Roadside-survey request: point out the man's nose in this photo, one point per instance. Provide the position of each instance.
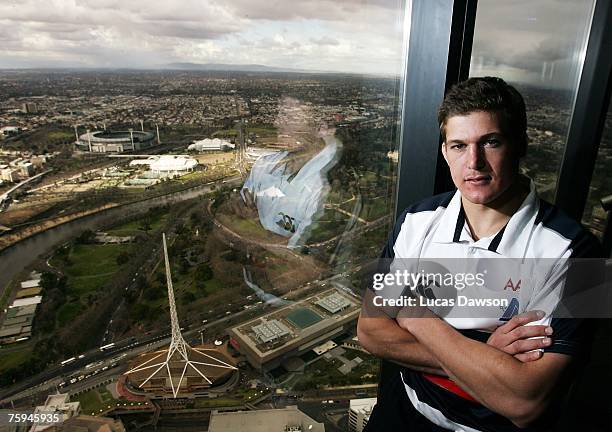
(476, 159)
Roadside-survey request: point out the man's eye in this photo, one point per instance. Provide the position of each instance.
(458, 146)
(493, 142)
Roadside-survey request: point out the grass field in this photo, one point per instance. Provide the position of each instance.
(225, 133)
(250, 228)
(330, 224)
(67, 313)
(60, 135)
(156, 222)
(96, 400)
(264, 132)
(15, 358)
(90, 402)
(91, 266)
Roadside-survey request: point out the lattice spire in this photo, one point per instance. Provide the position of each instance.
(177, 338)
(178, 347)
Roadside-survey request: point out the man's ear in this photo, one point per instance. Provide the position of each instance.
(444, 152)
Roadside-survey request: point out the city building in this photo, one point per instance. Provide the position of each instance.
(10, 130)
(167, 164)
(107, 141)
(359, 413)
(56, 404)
(87, 423)
(214, 144)
(29, 108)
(10, 174)
(289, 419)
(26, 169)
(17, 322)
(295, 329)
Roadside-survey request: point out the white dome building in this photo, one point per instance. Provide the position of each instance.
(168, 164)
(208, 144)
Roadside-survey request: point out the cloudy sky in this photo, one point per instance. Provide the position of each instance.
(525, 40)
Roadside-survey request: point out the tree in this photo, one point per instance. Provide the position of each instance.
(48, 281)
(183, 265)
(188, 297)
(204, 272)
(153, 293)
(87, 236)
(145, 224)
(122, 258)
(141, 311)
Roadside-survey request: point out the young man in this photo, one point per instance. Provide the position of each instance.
(473, 379)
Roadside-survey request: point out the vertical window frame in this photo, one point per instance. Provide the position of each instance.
(588, 115)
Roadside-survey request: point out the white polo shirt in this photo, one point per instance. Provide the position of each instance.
(538, 234)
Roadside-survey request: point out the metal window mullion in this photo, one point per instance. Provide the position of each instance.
(588, 116)
(439, 49)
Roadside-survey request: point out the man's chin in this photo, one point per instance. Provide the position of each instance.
(478, 198)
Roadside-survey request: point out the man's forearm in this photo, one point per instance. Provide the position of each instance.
(384, 338)
(494, 378)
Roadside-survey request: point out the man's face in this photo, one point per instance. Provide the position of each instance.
(482, 161)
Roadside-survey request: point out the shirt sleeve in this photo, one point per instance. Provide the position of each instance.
(560, 294)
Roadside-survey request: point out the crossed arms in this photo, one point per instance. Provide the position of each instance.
(505, 374)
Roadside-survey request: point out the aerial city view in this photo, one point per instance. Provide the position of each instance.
(183, 245)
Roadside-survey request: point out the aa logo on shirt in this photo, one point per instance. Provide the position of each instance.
(510, 285)
(511, 310)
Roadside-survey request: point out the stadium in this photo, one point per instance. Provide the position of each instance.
(108, 141)
(294, 330)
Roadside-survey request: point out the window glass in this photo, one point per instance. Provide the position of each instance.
(601, 184)
(260, 137)
(538, 47)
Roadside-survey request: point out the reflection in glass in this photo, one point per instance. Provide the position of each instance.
(279, 148)
(287, 201)
(594, 216)
(538, 47)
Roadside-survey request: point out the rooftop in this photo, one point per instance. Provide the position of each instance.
(271, 420)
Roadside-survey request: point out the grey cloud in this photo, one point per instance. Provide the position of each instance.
(185, 30)
(525, 34)
(125, 17)
(8, 35)
(62, 32)
(325, 40)
(324, 10)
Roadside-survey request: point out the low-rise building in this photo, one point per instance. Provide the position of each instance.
(26, 169)
(289, 419)
(359, 413)
(10, 174)
(10, 130)
(296, 329)
(86, 423)
(56, 404)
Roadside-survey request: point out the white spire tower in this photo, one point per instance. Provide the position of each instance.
(179, 354)
(177, 343)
